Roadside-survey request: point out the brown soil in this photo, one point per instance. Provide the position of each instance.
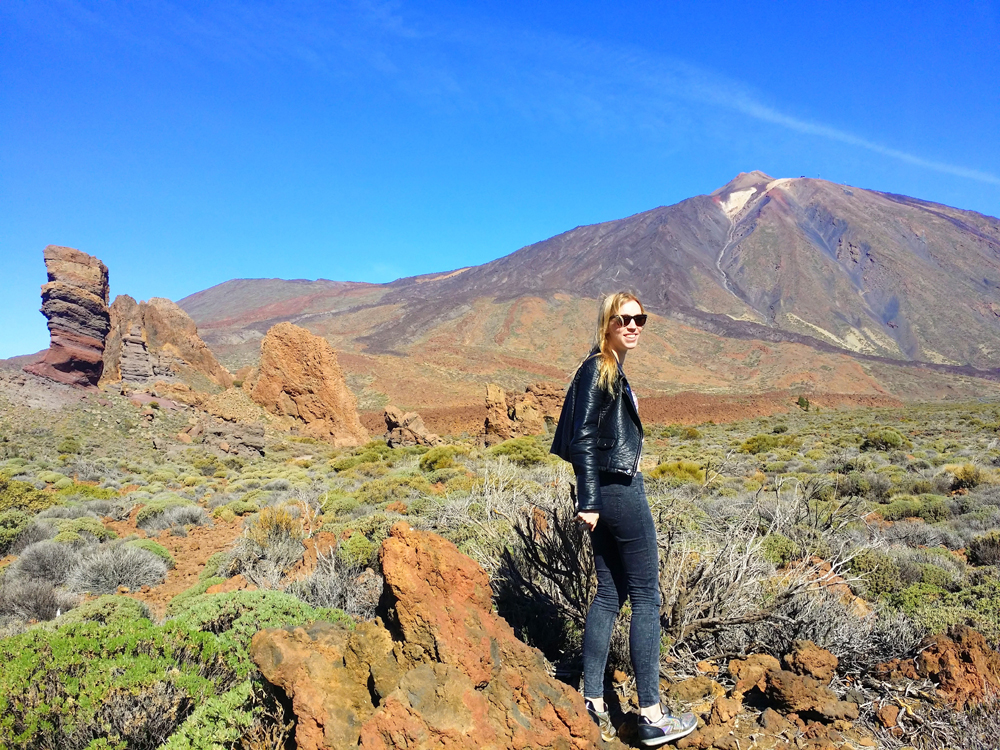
(190, 554)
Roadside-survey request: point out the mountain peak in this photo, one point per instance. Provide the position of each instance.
(744, 181)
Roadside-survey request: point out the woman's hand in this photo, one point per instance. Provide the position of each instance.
(588, 519)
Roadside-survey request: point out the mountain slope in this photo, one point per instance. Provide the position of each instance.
(798, 265)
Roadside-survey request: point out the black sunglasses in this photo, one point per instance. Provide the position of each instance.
(625, 320)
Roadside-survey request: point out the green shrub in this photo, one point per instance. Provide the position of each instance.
(179, 602)
(686, 471)
(766, 443)
(85, 526)
(967, 476)
(779, 550)
(157, 549)
(357, 551)
(879, 571)
(69, 445)
(691, 433)
(235, 508)
(16, 495)
(523, 451)
(51, 477)
(442, 457)
(86, 491)
(803, 403)
(886, 439)
(107, 609)
(392, 489)
(984, 549)
(129, 683)
(931, 508)
(212, 565)
(335, 504)
(12, 523)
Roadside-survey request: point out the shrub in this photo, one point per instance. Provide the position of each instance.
(86, 491)
(803, 403)
(157, 507)
(29, 599)
(175, 516)
(931, 508)
(270, 545)
(108, 609)
(45, 561)
(967, 476)
(523, 451)
(336, 583)
(392, 489)
(691, 433)
(16, 495)
(105, 569)
(86, 526)
(69, 444)
(766, 443)
(441, 457)
(157, 549)
(879, 571)
(686, 471)
(985, 549)
(357, 551)
(235, 508)
(336, 504)
(886, 439)
(12, 525)
(779, 550)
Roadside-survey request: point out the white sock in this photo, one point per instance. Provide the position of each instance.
(653, 713)
(597, 703)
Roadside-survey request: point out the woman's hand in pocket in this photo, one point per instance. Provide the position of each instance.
(588, 519)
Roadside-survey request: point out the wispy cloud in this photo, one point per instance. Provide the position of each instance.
(568, 81)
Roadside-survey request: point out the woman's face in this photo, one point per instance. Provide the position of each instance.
(624, 338)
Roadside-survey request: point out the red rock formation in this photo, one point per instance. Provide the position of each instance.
(510, 415)
(75, 302)
(299, 377)
(443, 672)
(962, 664)
(157, 340)
(407, 429)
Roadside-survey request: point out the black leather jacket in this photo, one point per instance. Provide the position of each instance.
(598, 431)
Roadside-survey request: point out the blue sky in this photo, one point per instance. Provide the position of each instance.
(185, 144)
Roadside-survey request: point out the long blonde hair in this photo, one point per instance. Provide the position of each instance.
(608, 364)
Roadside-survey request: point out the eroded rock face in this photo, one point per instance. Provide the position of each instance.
(438, 670)
(75, 302)
(299, 378)
(407, 429)
(962, 664)
(157, 341)
(510, 415)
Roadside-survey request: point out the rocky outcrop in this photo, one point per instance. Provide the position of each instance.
(437, 669)
(962, 664)
(299, 378)
(75, 302)
(157, 341)
(510, 415)
(407, 429)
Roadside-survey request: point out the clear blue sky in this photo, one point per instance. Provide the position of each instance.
(185, 144)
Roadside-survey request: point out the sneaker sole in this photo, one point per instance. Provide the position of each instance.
(657, 741)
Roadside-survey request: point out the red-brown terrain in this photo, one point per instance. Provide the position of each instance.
(790, 286)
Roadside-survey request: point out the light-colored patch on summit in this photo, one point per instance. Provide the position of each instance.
(736, 201)
(779, 182)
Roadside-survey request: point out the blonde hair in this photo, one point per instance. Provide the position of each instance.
(608, 363)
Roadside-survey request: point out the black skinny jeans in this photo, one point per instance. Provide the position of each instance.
(627, 563)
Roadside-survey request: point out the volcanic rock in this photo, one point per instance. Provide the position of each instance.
(807, 658)
(789, 692)
(158, 341)
(438, 669)
(75, 302)
(407, 429)
(961, 663)
(510, 415)
(300, 378)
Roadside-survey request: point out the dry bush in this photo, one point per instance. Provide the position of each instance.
(45, 561)
(102, 570)
(37, 531)
(269, 546)
(29, 599)
(333, 583)
(178, 515)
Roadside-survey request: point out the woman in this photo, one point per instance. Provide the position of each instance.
(599, 432)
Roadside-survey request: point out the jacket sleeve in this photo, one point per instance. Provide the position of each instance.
(591, 401)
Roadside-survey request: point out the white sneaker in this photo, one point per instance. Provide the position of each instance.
(665, 729)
